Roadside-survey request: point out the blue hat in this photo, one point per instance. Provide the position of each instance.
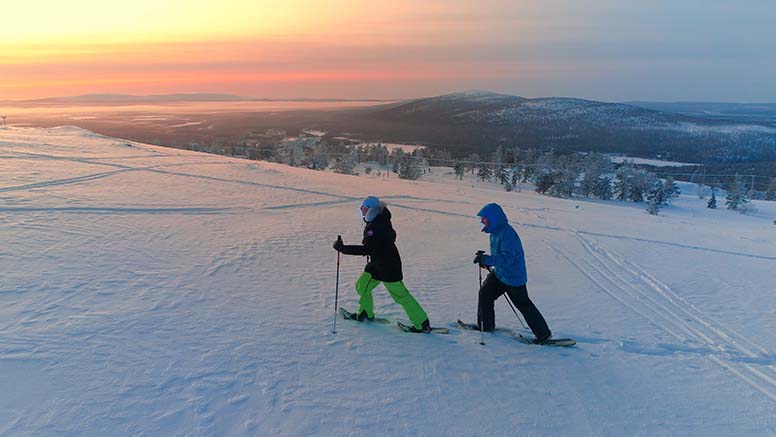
(370, 201)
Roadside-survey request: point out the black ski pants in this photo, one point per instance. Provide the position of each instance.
(492, 289)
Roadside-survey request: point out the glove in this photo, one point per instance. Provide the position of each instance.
(479, 258)
(338, 244)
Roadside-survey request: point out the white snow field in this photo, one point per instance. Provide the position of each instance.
(154, 291)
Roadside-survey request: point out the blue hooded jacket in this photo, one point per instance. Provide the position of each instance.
(506, 249)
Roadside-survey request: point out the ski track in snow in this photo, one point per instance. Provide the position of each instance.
(694, 323)
(681, 246)
(642, 293)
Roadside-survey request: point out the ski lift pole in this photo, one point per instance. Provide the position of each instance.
(336, 289)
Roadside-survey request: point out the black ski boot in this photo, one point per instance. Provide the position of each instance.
(425, 327)
(542, 340)
(363, 316)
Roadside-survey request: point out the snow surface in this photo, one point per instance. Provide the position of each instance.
(148, 290)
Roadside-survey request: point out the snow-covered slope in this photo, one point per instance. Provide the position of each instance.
(155, 291)
(478, 121)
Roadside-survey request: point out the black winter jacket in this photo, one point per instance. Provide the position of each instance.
(379, 244)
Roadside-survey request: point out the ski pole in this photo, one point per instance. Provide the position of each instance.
(336, 289)
(509, 301)
(479, 310)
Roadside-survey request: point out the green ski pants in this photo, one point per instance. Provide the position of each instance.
(399, 293)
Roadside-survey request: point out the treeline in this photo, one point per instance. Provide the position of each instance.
(572, 174)
(591, 175)
(316, 153)
(595, 175)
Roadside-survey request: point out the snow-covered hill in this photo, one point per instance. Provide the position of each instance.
(485, 120)
(155, 291)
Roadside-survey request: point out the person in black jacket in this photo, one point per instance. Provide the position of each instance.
(383, 265)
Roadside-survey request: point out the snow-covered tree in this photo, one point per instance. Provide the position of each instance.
(484, 172)
(632, 184)
(588, 183)
(712, 204)
(653, 206)
(502, 175)
(622, 183)
(346, 162)
(641, 183)
(376, 153)
(545, 163)
(459, 169)
(603, 188)
(397, 155)
(565, 184)
(517, 154)
(291, 152)
(320, 158)
(545, 183)
(595, 164)
(473, 162)
(656, 198)
(439, 157)
(499, 170)
(770, 192)
(297, 155)
(529, 160)
(737, 197)
(517, 171)
(670, 190)
(568, 169)
(409, 168)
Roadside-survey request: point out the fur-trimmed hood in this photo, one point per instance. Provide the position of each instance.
(376, 210)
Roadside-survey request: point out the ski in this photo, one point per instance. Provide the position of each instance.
(353, 316)
(406, 328)
(410, 328)
(474, 327)
(557, 342)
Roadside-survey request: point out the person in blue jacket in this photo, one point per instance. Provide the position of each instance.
(506, 264)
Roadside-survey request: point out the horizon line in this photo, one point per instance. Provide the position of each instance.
(226, 97)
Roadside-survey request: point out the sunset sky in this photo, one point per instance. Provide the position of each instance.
(611, 50)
